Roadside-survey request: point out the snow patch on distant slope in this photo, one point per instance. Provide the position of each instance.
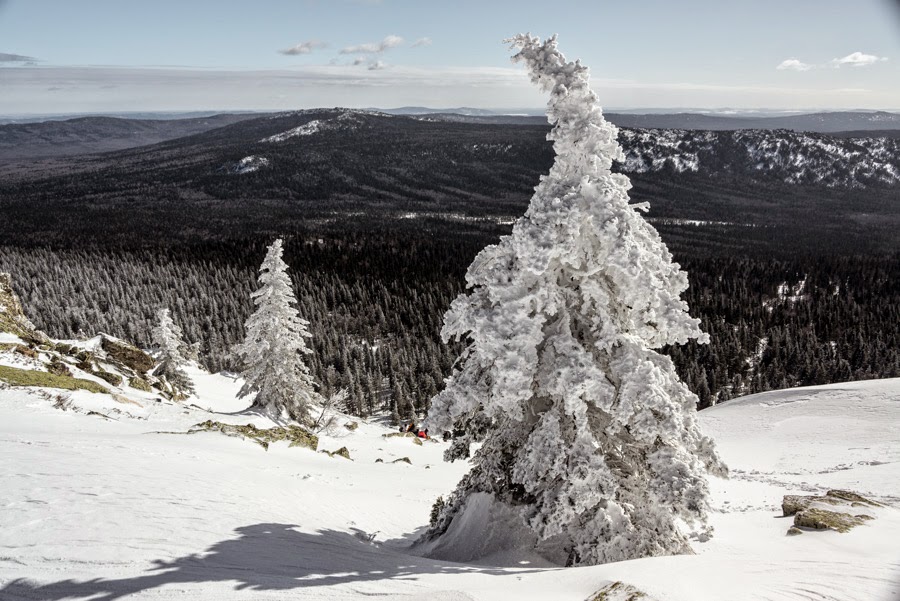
(347, 120)
(307, 129)
(251, 163)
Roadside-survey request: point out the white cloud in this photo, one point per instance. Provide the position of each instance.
(377, 66)
(391, 41)
(303, 48)
(792, 64)
(421, 42)
(858, 59)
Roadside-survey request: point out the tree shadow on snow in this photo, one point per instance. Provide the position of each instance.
(263, 557)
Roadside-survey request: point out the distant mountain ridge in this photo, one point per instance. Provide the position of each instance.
(93, 134)
(281, 140)
(88, 135)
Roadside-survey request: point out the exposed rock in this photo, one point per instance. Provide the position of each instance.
(351, 426)
(822, 519)
(619, 591)
(819, 512)
(791, 504)
(58, 367)
(28, 352)
(126, 354)
(114, 379)
(103, 415)
(341, 452)
(855, 499)
(794, 531)
(139, 383)
(403, 460)
(65, 349)
(379, 460)
(417, 441)
(297, 436)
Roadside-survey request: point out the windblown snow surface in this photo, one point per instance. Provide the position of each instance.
(97, 508)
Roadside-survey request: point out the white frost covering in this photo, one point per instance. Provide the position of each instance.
(588, 430)
(275, 344)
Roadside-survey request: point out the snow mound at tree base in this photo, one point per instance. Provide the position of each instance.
(490, 532)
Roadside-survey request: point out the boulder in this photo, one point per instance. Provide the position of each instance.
(28, 352)
(295, 435)
(114, 379)
(139, 383)
(620, 591)
(126, 354)
(814, 512)
(58, 367)
(822, 519)
(341, 452)
(791, 504)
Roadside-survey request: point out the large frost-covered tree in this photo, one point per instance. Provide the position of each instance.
(588, 432)
(274, 346)
(171, 350)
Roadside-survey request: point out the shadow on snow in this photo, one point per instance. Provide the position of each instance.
(263, 557)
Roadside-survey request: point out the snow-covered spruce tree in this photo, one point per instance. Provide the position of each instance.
(274, 345)
(587, 431)
(169, 342)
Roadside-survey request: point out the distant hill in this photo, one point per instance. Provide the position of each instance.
(319, 166)
(85, 135)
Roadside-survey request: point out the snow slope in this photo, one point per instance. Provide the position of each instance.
(96, 508)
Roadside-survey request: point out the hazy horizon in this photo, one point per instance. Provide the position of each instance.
(106, 56)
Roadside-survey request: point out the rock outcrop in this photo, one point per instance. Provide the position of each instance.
(813, 512)
(620, 591)
(130, 356)
(294, 435)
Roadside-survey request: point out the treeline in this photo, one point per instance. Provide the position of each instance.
(376, 302)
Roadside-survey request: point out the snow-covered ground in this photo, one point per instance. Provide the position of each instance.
(97, 508)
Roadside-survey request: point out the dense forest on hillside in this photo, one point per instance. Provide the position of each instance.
(376, 301)
(797, 283)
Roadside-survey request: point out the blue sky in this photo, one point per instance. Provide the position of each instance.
(105, 55)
